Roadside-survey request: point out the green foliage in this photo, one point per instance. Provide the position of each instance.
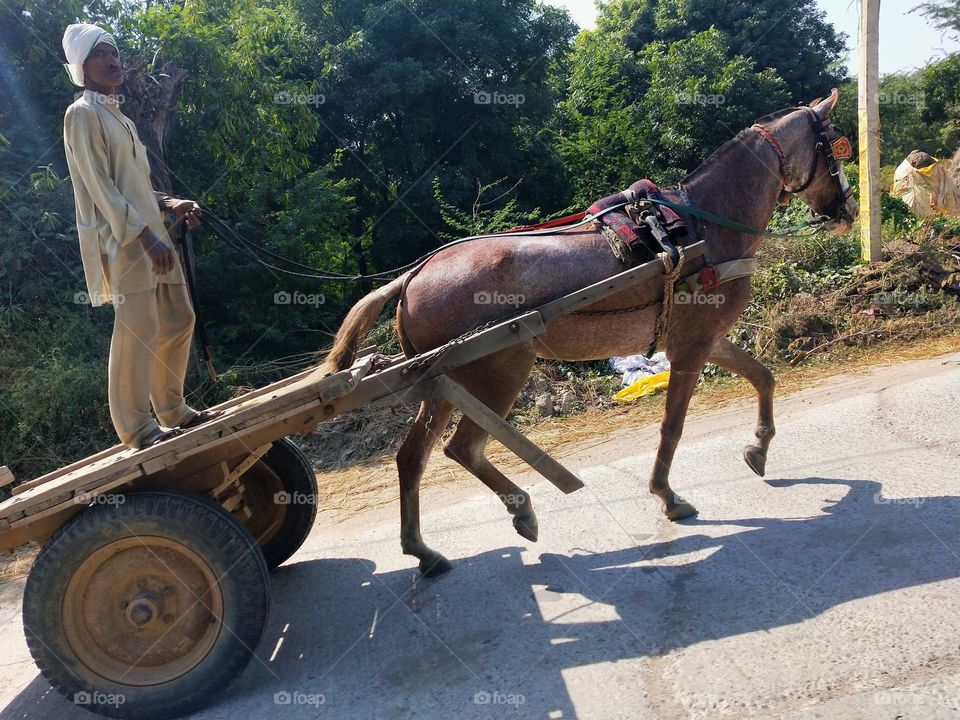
(947, 226)
(699, 97)
(686, 99)
(244, 60)
(907, 121)
(789, 37)
(943, 14)
(485, 216)
(941, 86)
(783, 279)
(457, 90)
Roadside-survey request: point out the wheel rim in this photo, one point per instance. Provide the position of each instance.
(261, 485)
(142, 611)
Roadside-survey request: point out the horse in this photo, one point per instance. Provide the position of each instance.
(786, 154)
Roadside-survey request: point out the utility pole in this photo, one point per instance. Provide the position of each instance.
(868, 112)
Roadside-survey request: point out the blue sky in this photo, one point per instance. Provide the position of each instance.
(906, 41)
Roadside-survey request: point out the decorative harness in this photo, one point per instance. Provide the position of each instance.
(839, 148)
(835, 149)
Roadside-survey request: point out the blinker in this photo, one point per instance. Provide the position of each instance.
(842, 148)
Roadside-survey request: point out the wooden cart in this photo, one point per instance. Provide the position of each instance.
(151, 591)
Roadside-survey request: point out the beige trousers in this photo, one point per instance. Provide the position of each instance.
(149, 353)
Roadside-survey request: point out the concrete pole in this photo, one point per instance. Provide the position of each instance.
(868, 111)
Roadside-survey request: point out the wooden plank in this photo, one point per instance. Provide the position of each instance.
(519, 444)
(274, 387)
(101, 468)
(6, 476)
(83, 462)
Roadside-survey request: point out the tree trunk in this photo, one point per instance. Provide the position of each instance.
(150, 100)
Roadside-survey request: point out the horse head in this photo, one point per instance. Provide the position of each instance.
(810, 148)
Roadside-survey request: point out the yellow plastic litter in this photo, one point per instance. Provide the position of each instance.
(644, 386)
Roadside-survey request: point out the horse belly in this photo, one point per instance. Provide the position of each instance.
(597, 337)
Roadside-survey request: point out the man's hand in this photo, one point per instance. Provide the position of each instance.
(160, 254)
(186, 209)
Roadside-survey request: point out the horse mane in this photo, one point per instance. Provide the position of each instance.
(720, 154)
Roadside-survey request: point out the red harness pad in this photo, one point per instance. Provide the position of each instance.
(633, 235)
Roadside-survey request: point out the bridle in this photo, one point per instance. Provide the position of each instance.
(834, 149)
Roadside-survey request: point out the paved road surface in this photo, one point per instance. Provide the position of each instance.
(829, 590)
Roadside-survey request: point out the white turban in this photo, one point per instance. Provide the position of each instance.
(78, 42)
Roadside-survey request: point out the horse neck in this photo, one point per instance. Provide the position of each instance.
(742, 184)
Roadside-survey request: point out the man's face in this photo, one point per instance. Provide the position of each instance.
(103, 67)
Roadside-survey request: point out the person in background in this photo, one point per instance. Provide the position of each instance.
(128, 258)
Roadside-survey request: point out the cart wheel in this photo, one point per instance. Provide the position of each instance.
(280, 493)
(148, 607)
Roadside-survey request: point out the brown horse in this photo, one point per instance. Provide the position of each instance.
(468, 284)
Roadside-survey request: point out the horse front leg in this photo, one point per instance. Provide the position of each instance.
(683, 380)
(732, 358)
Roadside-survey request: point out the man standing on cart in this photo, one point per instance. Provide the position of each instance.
(128, 258)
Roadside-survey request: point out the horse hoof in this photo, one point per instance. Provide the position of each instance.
(756, 459)
(434, 565)
(526, 526)
(680, 510)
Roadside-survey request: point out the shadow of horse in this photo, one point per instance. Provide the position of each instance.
(511, 630)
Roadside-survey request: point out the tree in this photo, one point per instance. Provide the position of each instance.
(791, 37)
(905, 120)
(417, 90)
(941, 112)
(659, 112)
(942, 14)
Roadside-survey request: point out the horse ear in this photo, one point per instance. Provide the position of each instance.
(825, 107)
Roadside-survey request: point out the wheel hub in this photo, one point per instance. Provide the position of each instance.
(142, 610)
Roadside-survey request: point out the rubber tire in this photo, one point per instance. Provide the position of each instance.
(217, 537)
(299, 480)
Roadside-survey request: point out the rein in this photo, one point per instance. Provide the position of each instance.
(740, 227)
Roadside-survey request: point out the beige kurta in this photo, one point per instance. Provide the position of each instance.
(114, 199)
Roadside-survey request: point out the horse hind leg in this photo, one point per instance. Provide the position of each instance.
(732, 358)
(411, 462)
(495, 381)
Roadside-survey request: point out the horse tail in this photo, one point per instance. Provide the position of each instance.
(358, 321)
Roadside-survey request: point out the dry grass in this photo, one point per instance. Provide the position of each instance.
(17, 564)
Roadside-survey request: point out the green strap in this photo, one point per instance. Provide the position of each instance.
(732, 224)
